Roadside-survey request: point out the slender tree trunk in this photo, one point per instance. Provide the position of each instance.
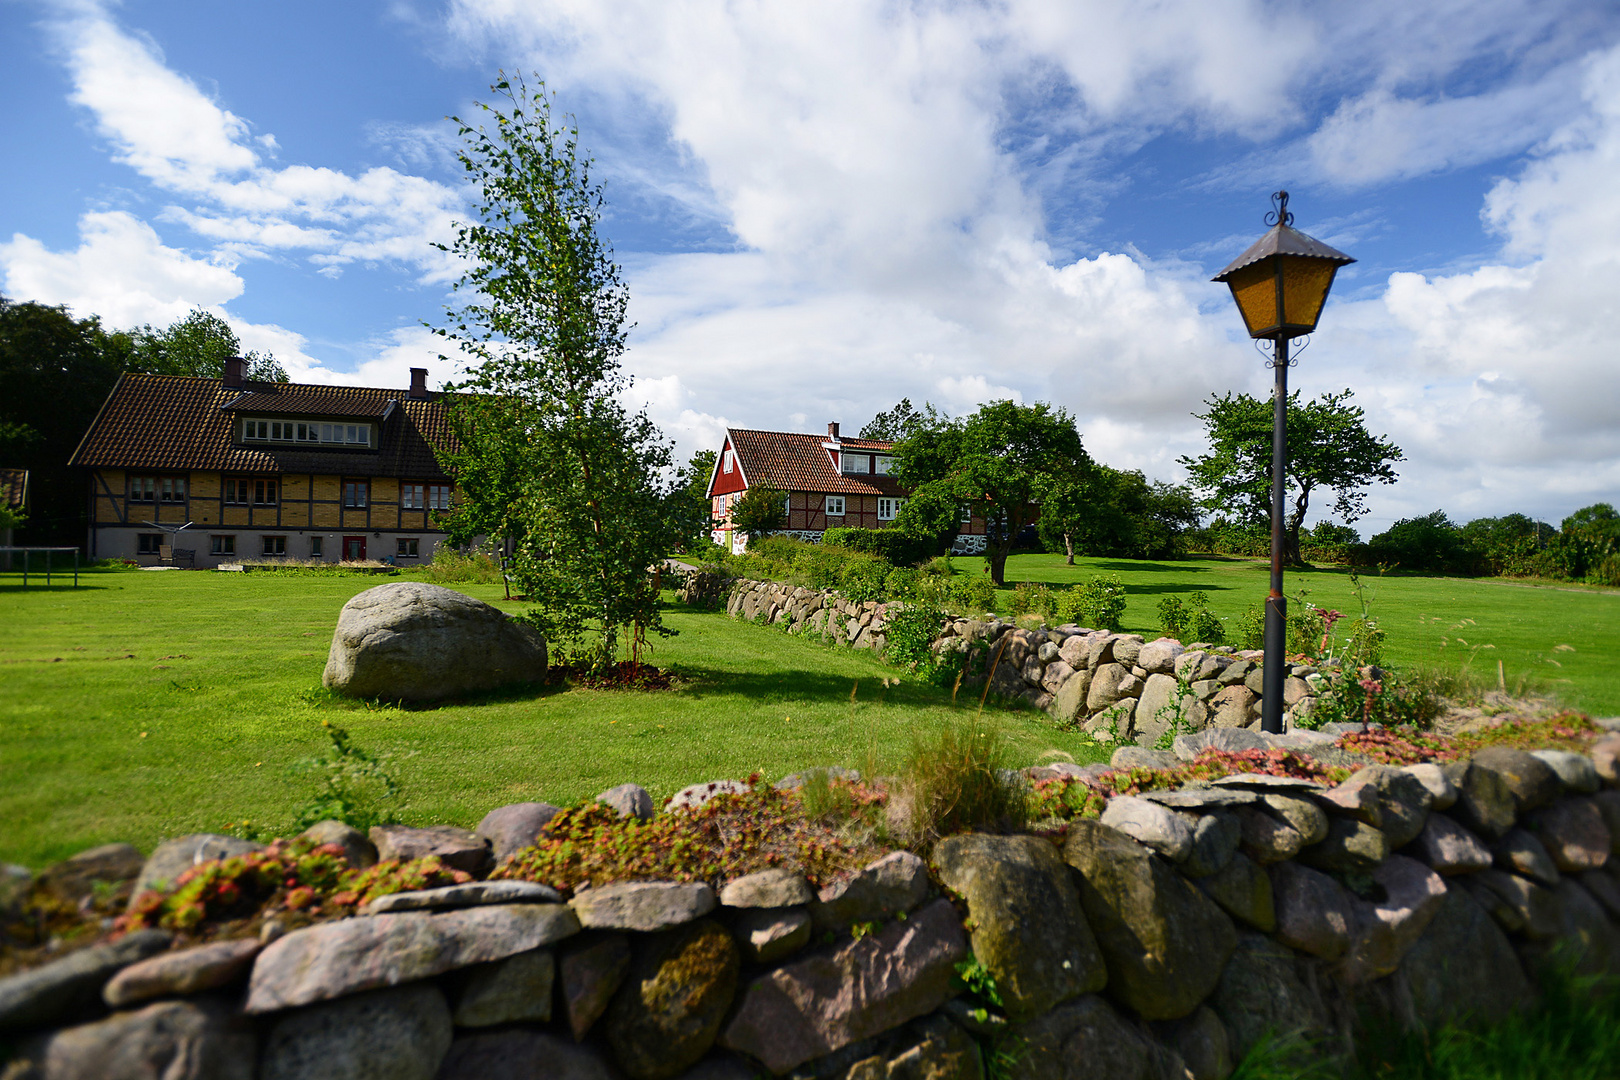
(1068, 547)
(1291, 552)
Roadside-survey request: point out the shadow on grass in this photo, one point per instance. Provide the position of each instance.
(56, 586)
(322, 697)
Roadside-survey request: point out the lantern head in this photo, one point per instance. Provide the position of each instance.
(1282, 281)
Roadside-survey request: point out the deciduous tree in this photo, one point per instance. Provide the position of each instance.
(197, 345)
(760, 512)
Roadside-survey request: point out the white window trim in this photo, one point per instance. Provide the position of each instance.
(892, 505)
(847, 462)
(839, 501)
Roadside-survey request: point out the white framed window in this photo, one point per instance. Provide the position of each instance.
(967, 514)
(888, 508)
(835, 506)
(438, 496)
(885, 465)
(406, 548)
(725, 461)
(787, 505)
(855, 463)
(291, 431)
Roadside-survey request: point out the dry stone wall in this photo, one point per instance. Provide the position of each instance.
(1161, 941)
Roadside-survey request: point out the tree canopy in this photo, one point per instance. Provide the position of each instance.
(899, 422)
(1329, 447)
(197, 345)
(760, 512)
(1118, 513)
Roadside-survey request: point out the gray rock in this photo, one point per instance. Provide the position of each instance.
(1531, 780)
(1236, 740)
(1202, 799)
(469, 894)
(1530, 909)
(766, 935)
(1159, 657)
(695, 795)
(1608, 804)
(1264, 992)
(171, 1040)
(66, 988)
(1606, 759)
(1485, 802)
(1047, 652)
(1136, 757)
(1200, 1041)
(15, 884)
(647, 906)
(1114, 723)
(1163, 941)
(1232, 706)
(510, 991)
(668, 1011)
(174, 857)
(1056, 674)
(1351, 846)
(75, 878)
(1164, 706)
(774, 888)
(1605, 889)
(1027, 927)
(1448, 848)
(1305, 818)
(1357, 797)
(509, 829)
(1403, 802)
(177, 974)
(1087, 1039)
(1575, 770)
(931, 1048)
(1265, 839)
(818, 1004)
(1574, 834)
(630, 800)
(1215, 839)
(1127, 647)
(335, 959)
(795, 781)
(1314, 913)
(1149, 823)
(731, 1067)
(1442, 792)
(419, 642)
(1585, 938)
(1109, 683)
(496, 1055)
(1243, 890)
(1384, 930)
(895, 883)
(455, 848)
(406, 1034)
(1463, 967)
(1521, 853)
(590, 971)
(1069, 703)
(358, 851)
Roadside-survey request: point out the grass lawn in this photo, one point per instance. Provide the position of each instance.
(150, 704)
(1525, 622)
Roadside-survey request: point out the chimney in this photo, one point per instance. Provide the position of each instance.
(832, 431)
(419, 389)
(233, 373)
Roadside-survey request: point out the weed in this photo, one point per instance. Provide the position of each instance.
(1030, 598)
(1173, 714)
(469, 565)
(353, 787)
(1098, 603)
(958, 780)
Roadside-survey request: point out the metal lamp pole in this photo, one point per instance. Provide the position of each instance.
(1271, 701)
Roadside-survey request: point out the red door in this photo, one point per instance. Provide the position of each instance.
(354, 548)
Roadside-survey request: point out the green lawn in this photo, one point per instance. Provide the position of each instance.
(1525, 622)
(148, 704)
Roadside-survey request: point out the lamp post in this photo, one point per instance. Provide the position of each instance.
(1280, 285)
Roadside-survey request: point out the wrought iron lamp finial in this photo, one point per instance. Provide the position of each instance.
(1279, 214)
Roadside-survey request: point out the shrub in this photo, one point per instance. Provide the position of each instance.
(958, 780)
(974, 594)
(1191, 619)
(1031, 598)
(901, 583)
(353, 787)
(891, 543)
(862, 577)
(463, 565)
(910, 632)
(1204, 625)
(1098, 603)
(1251, 627)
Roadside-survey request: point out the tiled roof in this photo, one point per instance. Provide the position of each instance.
(869, 445)
(13, 487)
(790, 461)
(291, 399)
(177, 422)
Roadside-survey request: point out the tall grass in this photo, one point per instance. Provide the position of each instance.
(955, 779)
(469, 566)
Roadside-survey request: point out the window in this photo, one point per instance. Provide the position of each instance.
(264, 493)
(835, 506)
(315, 546)
(787, 505)
(407, 547)
(169, 489)
(222, 545)
(241, 492)
(854, 463)
(967, 514)
(410, 496)
(885, 465)
(172, 490)
(142, 489)
(275, 545)
(356, 493)
(438, 496)
(725, 461)
(148, 543)
(888, 508)
(292, 431)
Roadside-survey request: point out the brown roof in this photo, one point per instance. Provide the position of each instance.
(14, 488)
(291, 399)
(178, 422)
(790, 461)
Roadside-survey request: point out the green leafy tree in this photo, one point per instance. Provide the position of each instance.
(761, 511)
(489, 458)
(1118, 513)
(1000, 461)
(1329, 447)
(899, 422)
(690, 499)
(541, 328)
(1586, 539)
(197, 345)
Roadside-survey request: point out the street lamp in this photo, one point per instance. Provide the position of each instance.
(1280, 285)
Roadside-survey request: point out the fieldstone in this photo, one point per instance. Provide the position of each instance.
(510, 829)
(668, 1011)
(930, 1048)
(1385, 929)
(1127, 647)
(63, 989)
(510, 991)
(1351, 846)
(1605, 889)
(1286, 785)
(455, 848)
(1069, 703)
(1265, 839)
(1586, 938)
(1484, 800)
(1087, 1039)
(1521, 853)
(1230, 739)
(335, 959)
(1074, 651)
(177, 974)
(1200, 1041)
(169, 1040)
(1164, 942)
(1357, 797)
(419, 642)
(1025, 912)
(1315, 914)
(731, 1067)
(766, 935)
(1108, 684)
(1463, 967)
(590, 971)
(468, 894)
(406, 1035)
(1606, 759)
(1188, 663)
(358, 851)
(1403, 802)
(1149, 823)
(1047, 652)
(895, 883)
(1531, 909)
(1448, 848)
(795, 781)
(1531, 780)
(1159, 657)
(1202, 799)
(774, 888)
(15, 884)
(1243, 890)
(1137, 757)
(174, 857)
(1262, 993)
(496, 1055)
(1236, 673)
(695, 795)
(1114, 723)
(647, 906)
(75, 878)
(1102, 650)
(1055, 675)
(815, 1005)
(1608, 804)
(1576, 771)
(630, 800)
(1442, 792)
(1305, 818)
(1231, 707)
(1215, 839)
(1574, 834)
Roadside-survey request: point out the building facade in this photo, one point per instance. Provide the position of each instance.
(209, 471)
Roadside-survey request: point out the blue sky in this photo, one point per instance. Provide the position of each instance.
(823, 208)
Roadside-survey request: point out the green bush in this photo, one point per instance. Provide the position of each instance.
(1098, 603)
(463, 565)
(863, 576)
(1251, 628)
(973, 594)
(910, 632)
(901, 583)
(1031, 598)
(1206, 626)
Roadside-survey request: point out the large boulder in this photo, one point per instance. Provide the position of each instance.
(1532, 781)
(932, 1048)
(76, 877)
(1164, 942)
(1264, 991)
(170, 1040)
(1463, 966)
(1088, 1040)
(418, 642)
(668, 1012)
(174, 857)
(518, 1052)
(398, 1034)
(1385, 929)
(1243, 891)
(62, 989)
(1028, 930)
